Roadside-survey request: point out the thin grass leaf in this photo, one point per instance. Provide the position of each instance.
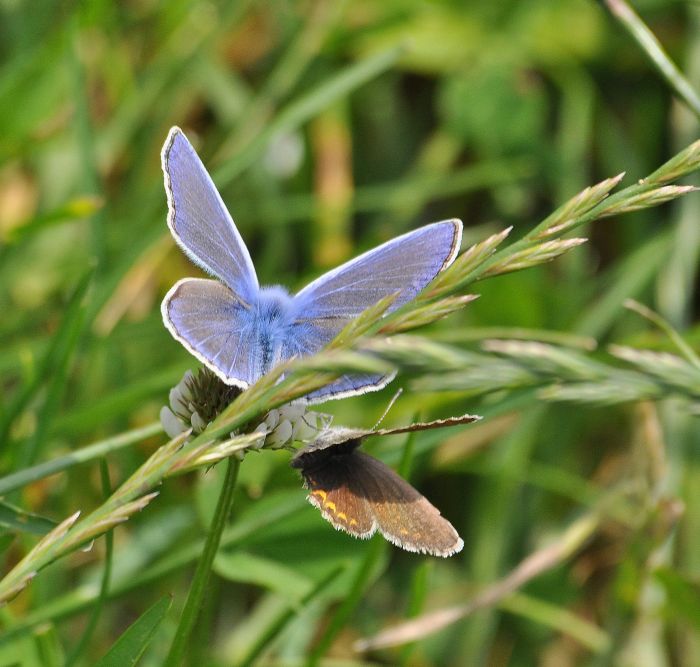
(20, 521)
(78, 457)
(86, 146)
(55, 358)
(632, 275)
(195, 597)
(382, 197)
(244, 567)
(652, 48)
(666, 327)
(129, 648)
(307, 107)
(587, 634)
(287, 72)
(576, 535)
(123, 401)
(417, 598)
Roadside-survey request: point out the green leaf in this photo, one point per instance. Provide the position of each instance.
(16, 519)
(250, 568)
(129, 648)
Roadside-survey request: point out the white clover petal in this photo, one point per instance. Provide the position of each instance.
(175, 396)
(281, 435)
(303, 430)
(198, 424)
(184, 384)
(272, 419)
(293, 411)
(171, 424)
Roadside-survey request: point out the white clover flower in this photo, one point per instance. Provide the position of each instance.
(290, 423)
(195, 402)
(199, 398)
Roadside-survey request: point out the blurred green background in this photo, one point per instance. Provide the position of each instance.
(330, 127)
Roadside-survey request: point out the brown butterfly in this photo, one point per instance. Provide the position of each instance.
(360, 495)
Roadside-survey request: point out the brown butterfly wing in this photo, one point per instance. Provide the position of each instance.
(404, 516)
(328, 479)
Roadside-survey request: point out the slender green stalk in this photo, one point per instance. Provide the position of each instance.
(84, 455)
(416, 602)
(652, 48)
(666, 327)
(287, 72)
(307, 106)
(195, 597)
(86, 146)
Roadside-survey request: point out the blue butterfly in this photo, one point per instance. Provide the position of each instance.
(241, 330)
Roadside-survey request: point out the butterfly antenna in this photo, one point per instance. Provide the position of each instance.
(398, 393)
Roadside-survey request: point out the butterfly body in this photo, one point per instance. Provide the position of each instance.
(275, 314)
(241, 330)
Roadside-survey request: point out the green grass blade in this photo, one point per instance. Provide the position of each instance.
(129, 648)
(652, 48)
(197, 591)
(307, 107)
(55, 358)
(86, 454)
(19, 521)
